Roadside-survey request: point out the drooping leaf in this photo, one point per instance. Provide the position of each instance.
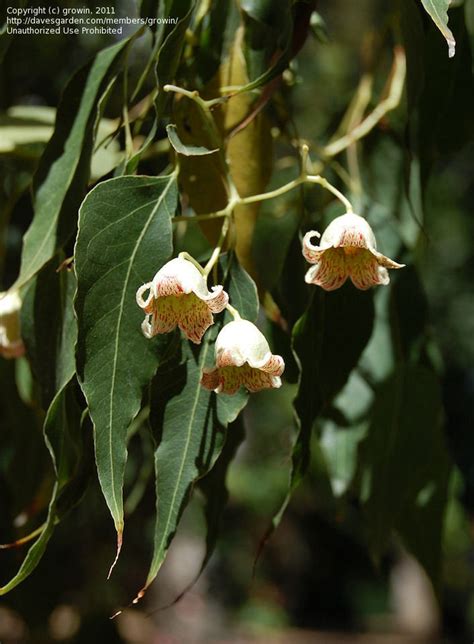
(327, 347)
(124, 238)
(240, 287)
(271, 242)
(171, 21)
(405, 465)
(267, 28)
(345, 427)
(220, 17)
(49, 328)
(169, 54)
(36, 551)
(438, 11)
(449, 85)
(294, 31)
(64, 168)
(181, 148)
(24, 459)
(62, 429)
(189, 423)
(213, 487)
(129, 166)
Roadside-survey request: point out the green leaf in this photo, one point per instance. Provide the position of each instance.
(24, 460)
(240, 287)
(189, 437)
(213, 31)
(292, 26)
(271, 242)
(327, 348)
(267, 26)
(345, 428)
(449, 85)
(64, 169)
(36, 551)
(438, 10)
(49, 328)
(187, 150)
(130, 166)
(213, 486)
(170, 52)
(168, 39)
(405, 465)
(62, 428)
(189, 423)
(124, 238)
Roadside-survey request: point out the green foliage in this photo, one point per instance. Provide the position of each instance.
(124, 237)
(237, 178)
(64, 170)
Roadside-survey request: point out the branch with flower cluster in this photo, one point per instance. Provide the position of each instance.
(178, 295)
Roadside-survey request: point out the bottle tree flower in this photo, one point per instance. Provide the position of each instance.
(243, 359)
(178, 296)
(11, 343)
(347, 250)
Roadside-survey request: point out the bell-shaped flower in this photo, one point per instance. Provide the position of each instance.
(178, 296)
(243, 359)
(347, 249)
(11, 344)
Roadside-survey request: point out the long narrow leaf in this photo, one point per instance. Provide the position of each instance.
(124, 238)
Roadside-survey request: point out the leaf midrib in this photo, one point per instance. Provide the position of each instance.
(199, 391)
(117, 335)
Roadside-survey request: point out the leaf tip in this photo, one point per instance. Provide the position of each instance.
(139, 596)
(117, 554)
(451, 47)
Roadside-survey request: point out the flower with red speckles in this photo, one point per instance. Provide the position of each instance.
(11, 344)
(347, 249)
(178, 296)
(243, 359)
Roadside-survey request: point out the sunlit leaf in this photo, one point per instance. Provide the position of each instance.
(124, 238)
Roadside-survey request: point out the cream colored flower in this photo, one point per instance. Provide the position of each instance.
(347, 249)
(11, 344)
(243, 359)
(178, 296)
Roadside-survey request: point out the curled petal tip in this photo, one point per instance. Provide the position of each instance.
(347, 250)
(179, 297)
(243, 359)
